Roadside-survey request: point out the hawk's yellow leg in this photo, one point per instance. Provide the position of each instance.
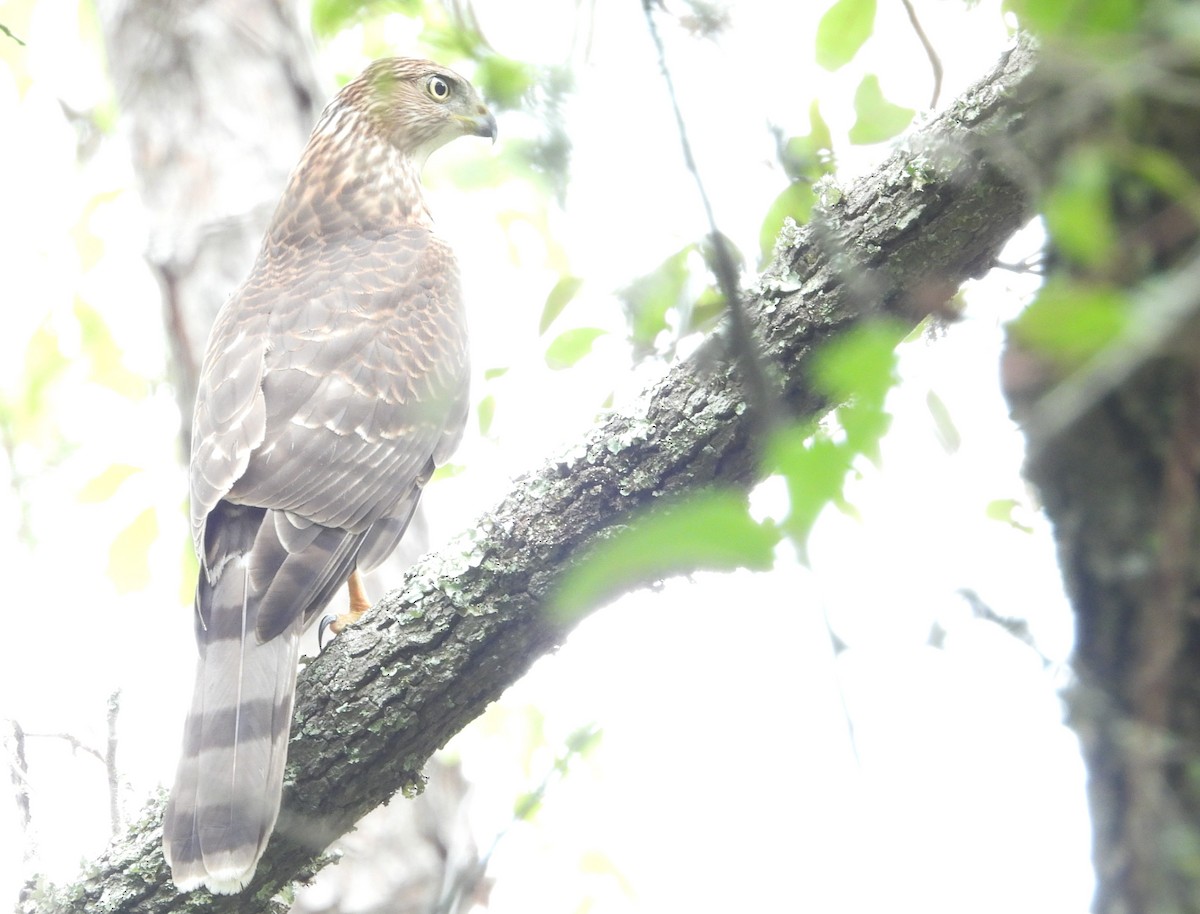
(359, 603)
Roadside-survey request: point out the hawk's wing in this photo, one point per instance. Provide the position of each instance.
(327, 403)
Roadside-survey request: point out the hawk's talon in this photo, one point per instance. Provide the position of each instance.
(359, 604)
(326, 623)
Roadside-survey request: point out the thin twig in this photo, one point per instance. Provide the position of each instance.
(19, 771)
(77, 745)
(758, 399)
(110, 763)
(935, 62)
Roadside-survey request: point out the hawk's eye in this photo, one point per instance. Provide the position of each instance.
(438, 88)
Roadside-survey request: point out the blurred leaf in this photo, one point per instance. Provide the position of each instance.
(560, 296)
(814, 468)
(492, 373)
(649, 298)
(503, 80)
(583, 741)
(486, 412)
(808, 156)
(706, 310)
(571, 345)
(860, 363)
(842, 31)
(108, 366)
(5, 29)
(328, 17)
(189, 568)
(876, 119)
(598, 863)
(796, 201)
(103, 487)
(447, 471)
(943, 423)
(1005, 511)
(129, 555)
(44, 364)
(857, 370)
(1078, 211)
(88, 244)
(711, 530)
(1077, 18)
(1070, 322)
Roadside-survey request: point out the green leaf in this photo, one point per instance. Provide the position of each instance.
(712, 530)
(796, 201)
(129, 555)
(571, 345)
(447, 471)
(860, 363)
(1005, 510)
(503, 80)
(564, 290)
(44, 365)
(943, 423)
(808, 156)
(1077, 18)
(706, 310)
(1078, 211)
(649, 298)
(842, 31)
(108, 365)
(876, 119)
(103, 487)
(486, 411)
(492, 373)
(328, 17)
(814, 469)
(857, 370)
(1070, 322)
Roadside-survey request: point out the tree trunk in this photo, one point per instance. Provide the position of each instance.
(1114, 449)
(208, 171)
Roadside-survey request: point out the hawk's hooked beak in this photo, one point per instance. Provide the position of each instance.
(482, 124)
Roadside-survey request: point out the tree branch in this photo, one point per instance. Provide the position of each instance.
(468, 622)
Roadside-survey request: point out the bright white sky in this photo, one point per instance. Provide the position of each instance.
(727, 778)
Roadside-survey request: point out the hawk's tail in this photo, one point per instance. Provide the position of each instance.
(226, 795)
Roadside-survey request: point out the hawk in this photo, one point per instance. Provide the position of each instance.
(334, 382)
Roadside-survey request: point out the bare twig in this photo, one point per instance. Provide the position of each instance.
(758, 397)
(18, 768)
(110, 763)
(935, 62)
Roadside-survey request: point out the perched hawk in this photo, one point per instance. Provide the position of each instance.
(335, 380)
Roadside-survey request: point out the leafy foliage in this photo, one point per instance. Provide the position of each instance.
(1071, 322)
(876, 119)
(571, 345)
(711, 530)
(1077, 18)
(843, 30)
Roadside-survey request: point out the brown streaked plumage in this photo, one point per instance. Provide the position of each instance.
(335, 380)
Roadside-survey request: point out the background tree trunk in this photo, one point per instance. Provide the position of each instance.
(1114, 449)
(209, 171)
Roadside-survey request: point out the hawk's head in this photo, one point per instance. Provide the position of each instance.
(418, 105)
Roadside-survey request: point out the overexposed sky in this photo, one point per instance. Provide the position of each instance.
(743, 764)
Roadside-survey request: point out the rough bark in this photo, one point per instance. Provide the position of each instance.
(468, 622)
(1114, 449)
